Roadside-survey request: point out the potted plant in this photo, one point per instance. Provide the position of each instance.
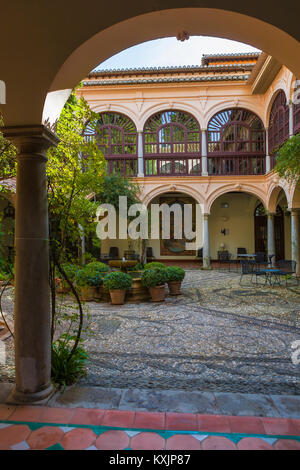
(155, 280)
(154, 265)
(88, 280)
(175, 276)
(98, 266)
(117, 283)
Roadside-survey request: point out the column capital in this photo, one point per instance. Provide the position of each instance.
(203, 130)
(295, 211)
(31, 141)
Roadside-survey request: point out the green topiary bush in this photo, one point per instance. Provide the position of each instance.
(117, 280)
(98, 266)
(174, 273)
(154, 277)
(88, 277)
(154, 265)
(70, 270)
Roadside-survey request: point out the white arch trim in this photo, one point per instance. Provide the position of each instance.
(170, 105)
(243, 188)
(111, 108)
(171, 187)
(232, 103)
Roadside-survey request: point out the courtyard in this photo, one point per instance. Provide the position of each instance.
(217, 336)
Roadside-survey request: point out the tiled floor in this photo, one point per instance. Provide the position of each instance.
(23, 428)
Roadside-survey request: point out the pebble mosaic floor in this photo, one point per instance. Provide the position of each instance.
(217, 336)
(37, 428)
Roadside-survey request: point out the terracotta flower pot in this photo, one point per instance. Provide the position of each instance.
(117, 296)
(62, 286)
(158, 293)
(174, 287)
(87, 293)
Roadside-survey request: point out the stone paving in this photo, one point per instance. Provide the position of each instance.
(37, 428)
(217, 336)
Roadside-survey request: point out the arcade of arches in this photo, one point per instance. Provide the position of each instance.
(231, 116)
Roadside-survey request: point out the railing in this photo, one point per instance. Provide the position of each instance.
(124, 166)
(174, 166)
(187, 166)
(236, 165)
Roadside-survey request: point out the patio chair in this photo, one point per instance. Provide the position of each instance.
(240, 251)
(260, 259)
(224, 257)
(249, 267)
(113, 252)
(287, 268)
(200, 253)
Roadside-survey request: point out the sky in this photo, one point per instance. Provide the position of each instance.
(170, 51)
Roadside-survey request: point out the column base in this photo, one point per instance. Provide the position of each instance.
(204, 173)
(37, 398)
(140, 175)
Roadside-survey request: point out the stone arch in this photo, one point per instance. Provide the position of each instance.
(169, 106)
(231, 104)
(272, 98)
(103, 108)
(230, 187)
(273, 194)
(148, 196)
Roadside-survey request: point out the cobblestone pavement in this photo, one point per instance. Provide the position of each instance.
(217, 336)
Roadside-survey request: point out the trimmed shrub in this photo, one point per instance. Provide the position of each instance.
(88, 277)
(98, 266)
(174, 273)
(70, 270)
(154, 277)
(154, 265)
(117, 280)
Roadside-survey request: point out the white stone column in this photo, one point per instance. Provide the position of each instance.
(206, 247)
(140, 154)
(291, 119)
(204, 153)
(32, 295)
(295, 238)
(268, 159)
(271, 236)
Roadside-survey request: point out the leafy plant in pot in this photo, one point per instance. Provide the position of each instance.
(88, 280)
(155, 280)
(117, 283)
(175, 276)
(70, 270)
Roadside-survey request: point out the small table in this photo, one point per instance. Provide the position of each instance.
(272, 273)
(246, 255)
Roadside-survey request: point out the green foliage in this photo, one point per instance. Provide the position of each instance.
(154, 265)
(174, 273)
(117, 280)
(88, 277)
(66, 369)
(288, 159)
(70, 270)
(8, 162)
(154, 277)
(98, 266)
(115, 186)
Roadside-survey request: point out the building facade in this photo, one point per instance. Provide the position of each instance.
(204, 135)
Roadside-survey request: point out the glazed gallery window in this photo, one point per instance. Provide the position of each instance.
(236, 131)
(171, 132)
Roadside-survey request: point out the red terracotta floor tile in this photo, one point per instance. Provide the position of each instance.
(6, 411)
(145, 420)
(287, 444)
(116, 418)
(254, 443)
(279, 426)
(26, 413)
(45, 437)
(56, 415)
(87, 416)
(182, 442)
(296, 423)
(147, 441)
(78, 439)
(112, 440)
(246, 424)
(213, 423)
(13, 435)
(217, 443)
(181, 421)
